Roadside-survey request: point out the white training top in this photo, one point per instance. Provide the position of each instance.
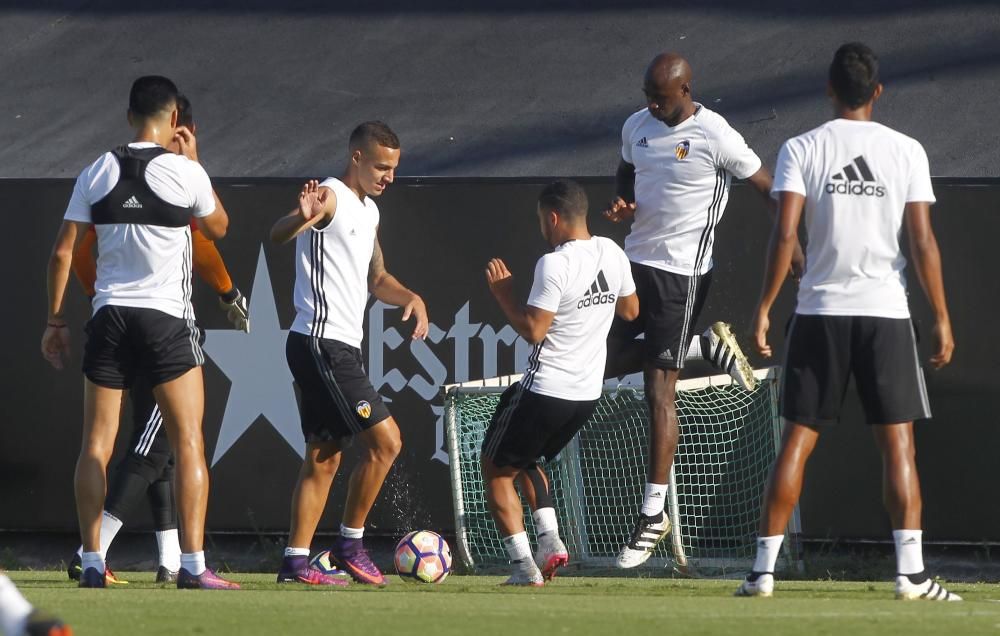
(682, 177)
(580, 281)
(144, 265)
(331, 269)
(857, 176)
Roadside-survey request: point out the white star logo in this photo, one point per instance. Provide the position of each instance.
(255, 364)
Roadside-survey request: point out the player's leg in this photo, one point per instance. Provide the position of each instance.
(891, 386)
(625, 353)
(319, 467)
(513, 443)
(814, 381)
(19, 618)
(163, 507)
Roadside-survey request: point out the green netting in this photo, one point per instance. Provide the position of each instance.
(727, 445)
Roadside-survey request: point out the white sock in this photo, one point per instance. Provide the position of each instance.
(194, 563)
(517, 546)
(293, 552)
(14, 608)
(695, 352)
(92, 560)
(110, 525)
(909, 551)
(351, 533)
(169, 545)
(545, 521)
(768, 549)
(653, 499)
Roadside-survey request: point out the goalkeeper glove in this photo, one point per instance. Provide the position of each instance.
(235, 305)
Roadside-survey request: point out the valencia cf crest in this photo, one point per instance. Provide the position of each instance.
(364, 409)
(681, 150)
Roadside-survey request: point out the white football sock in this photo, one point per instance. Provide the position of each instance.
(110, 525)
(768, 549)
(695, 352)
(92, 560)
(909, 551)
(351, 533)
(517, 546)
(169, 545)
(545, 521)
(653, 499)
(14, 608)
(294, 552)
(194, 563)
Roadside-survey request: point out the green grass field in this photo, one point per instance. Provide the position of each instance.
(477, 605)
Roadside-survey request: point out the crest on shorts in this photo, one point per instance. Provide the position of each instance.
(364, 409)
(681, 150)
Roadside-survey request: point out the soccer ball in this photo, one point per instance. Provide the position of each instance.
(423, 556)
(325, 564)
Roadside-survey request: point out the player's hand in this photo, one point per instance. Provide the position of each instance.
(418, 310)
(498, 276)
(761, 324)
(944, 343)
(619, 210)
(312, 200)
(186, 142)
(237, 311)
(55, 345)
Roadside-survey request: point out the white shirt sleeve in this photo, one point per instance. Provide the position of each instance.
(627, 141)
(920, 188)
(734, 155)
(547, 288)
(202, 197)
(788, 171)
(93, 184)
(79, 207)
(627, 287)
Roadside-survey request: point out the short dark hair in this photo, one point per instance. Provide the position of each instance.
(373, 133)
(854, 74)
(151, 94)
(566, 197)
(185, 115)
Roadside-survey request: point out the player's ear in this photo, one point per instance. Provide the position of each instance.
(878, 92)
(686, 88)
(173, 118)
(356, 157)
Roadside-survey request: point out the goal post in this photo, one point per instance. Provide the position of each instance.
(728, 441)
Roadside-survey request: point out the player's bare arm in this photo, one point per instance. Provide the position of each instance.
(316, 205)
(531, 323)
(56, 338)
(762, 182)
(781, 250)
(627, 307)
(623, 206)
(386, 288)
(215, 225)
(927, 262)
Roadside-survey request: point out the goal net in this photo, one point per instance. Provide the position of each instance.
(728, 440)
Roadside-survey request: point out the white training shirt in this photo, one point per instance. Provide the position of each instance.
(144, 265)
(682, 177)
(331, 269)
(857, 176)
(580, 281)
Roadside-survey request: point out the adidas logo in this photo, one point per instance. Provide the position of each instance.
(666, 356)
(132, 203)
(855, 178)
(598, 294)
(642, 143)
(910, 541)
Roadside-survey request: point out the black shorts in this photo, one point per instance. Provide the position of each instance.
(125, 342)
(527, 426)
(669, 307)
(823, 352)
(336, 398)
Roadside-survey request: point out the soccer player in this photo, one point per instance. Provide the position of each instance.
(19, 618)
(678, 159)
(148, 467)
(141, 198)
(338, 261)
(860, 183)
(577, 290)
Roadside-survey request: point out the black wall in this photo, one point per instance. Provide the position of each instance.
(437, 236)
